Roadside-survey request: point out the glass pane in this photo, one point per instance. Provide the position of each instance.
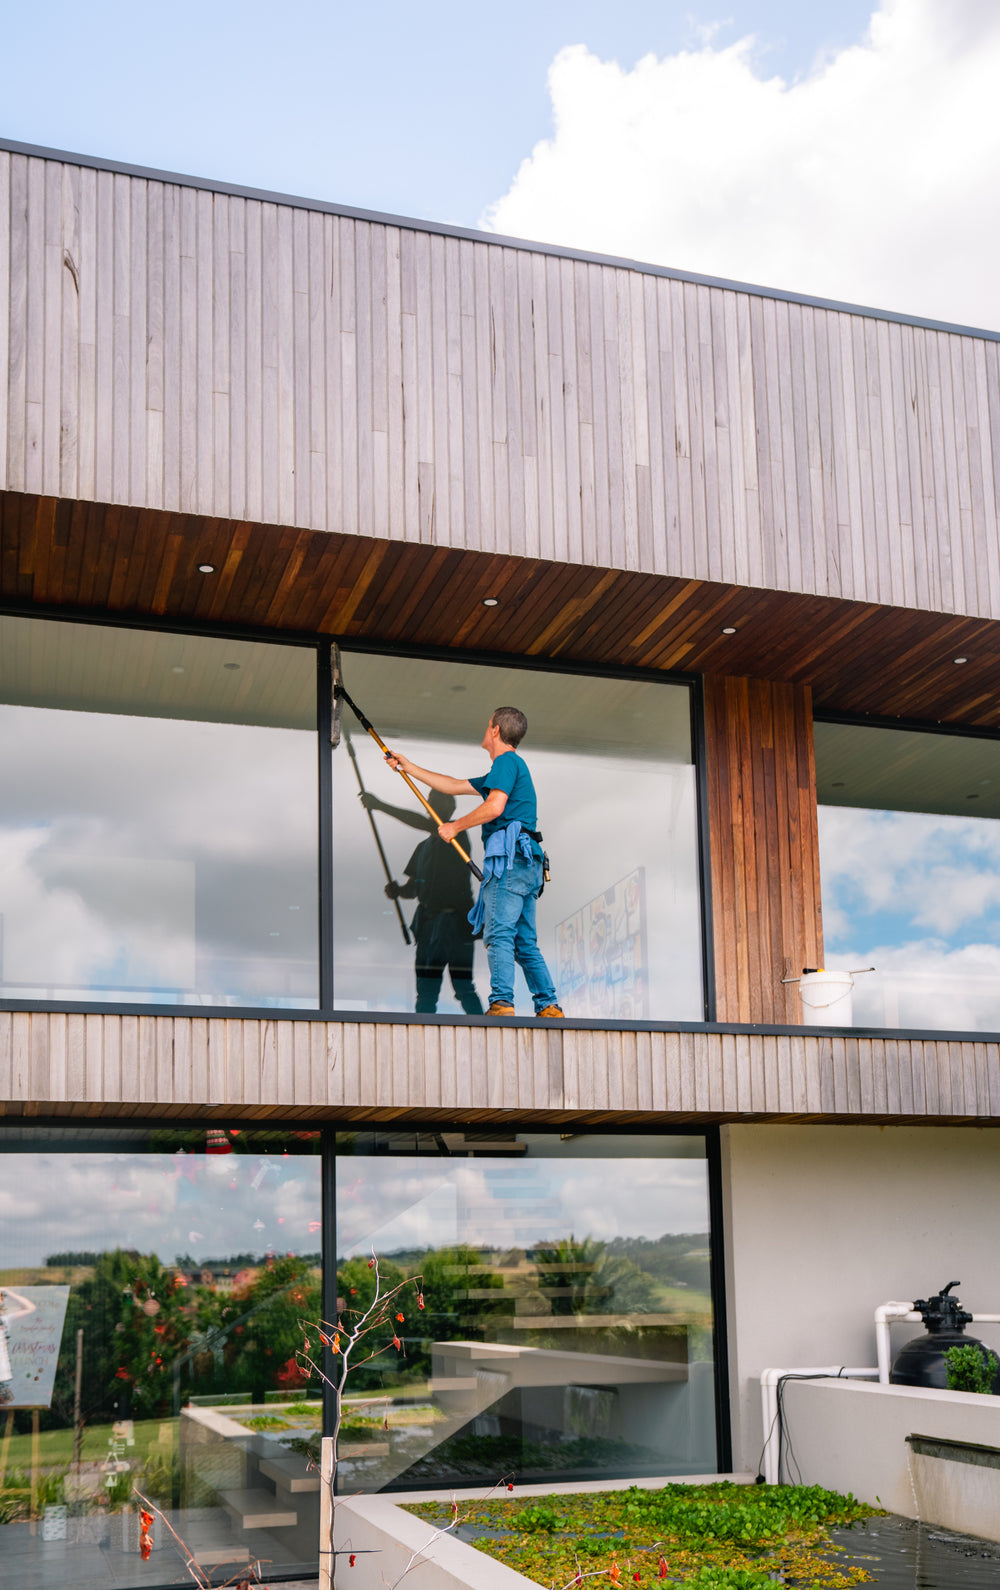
(619, 923)
(158, 817)
(567, 1326)
(909, 827)
(152, 1287)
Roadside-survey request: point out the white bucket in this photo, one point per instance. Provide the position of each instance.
(827, 999)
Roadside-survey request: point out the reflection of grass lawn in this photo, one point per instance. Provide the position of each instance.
(706, 1535)
(367, 1421)
(55, 1447)
(295, 1416)
(685, 1302)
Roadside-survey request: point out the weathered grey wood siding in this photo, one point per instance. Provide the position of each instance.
(168, 1065)
(178, 348)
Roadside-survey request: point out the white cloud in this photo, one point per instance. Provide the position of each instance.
(937, 873)
(499, 1204)
(873, 180)
(901, 891)
(926, 984)
(157, 1203)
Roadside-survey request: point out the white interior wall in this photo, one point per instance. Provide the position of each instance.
(825, 1222)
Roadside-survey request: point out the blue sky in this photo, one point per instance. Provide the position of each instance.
(917, 896)
(419, 110)
(848, 149)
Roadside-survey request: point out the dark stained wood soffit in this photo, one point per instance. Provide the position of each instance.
(858, 657)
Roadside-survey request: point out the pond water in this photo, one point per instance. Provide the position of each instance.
(897, 1554)
(900, 1554)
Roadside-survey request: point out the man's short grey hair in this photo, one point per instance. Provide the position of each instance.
(512, 723)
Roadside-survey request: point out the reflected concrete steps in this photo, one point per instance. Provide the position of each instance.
(202, 1539)
(209, 1556)
(290, 1474)
(362, 1449)
(258, 1509)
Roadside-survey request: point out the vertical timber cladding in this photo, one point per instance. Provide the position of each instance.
(239, 357)
(764, 845)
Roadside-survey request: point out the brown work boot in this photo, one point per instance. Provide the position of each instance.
(551, 1011)
(500, 1009)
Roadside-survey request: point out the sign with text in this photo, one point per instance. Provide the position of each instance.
(34, 1317)
(601, 954)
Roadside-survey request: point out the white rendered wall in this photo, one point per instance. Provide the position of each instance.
(825, 1222)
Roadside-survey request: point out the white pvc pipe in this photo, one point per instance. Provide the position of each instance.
(886, 1313)
(883, 1350)
(769, 1404)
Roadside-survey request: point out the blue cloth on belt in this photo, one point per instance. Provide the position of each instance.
(499, 852)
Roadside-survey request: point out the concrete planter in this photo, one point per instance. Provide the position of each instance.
(384, 1538)
(923, 1453)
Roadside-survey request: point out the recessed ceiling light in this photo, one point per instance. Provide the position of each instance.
(206, 568)
(177, 669)
(231, 666)
(491, 601)
(730, 629)
(960, 659)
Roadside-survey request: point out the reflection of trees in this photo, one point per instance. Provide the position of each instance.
(133, 1315)
(259, 1322)
(475, 1295)
(676, 1260)
(145, 1325)
(450, 1278)
(156, 1335)
(581, 1277)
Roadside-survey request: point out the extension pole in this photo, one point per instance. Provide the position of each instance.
(376, 836)
(340, 691)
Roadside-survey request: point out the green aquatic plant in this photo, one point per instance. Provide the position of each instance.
(708, 1537)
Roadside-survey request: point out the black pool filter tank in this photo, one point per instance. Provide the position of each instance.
(921, 1361)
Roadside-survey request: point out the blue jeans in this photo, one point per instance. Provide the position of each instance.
(509, 934)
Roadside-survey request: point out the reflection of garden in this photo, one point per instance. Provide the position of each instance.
(225, 1335)
(155, 1338)
(574, 1309)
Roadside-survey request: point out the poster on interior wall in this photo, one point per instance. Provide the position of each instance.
(32, 1322)
(601, 954)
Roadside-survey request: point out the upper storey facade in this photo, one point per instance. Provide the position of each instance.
(254, 358)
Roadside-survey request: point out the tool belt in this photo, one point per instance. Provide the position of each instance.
(535, 834)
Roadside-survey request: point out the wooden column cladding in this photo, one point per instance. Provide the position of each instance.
(764, 845)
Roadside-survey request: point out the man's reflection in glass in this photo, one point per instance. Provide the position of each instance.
(438, 879)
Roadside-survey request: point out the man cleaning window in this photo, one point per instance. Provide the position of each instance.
(513, 878)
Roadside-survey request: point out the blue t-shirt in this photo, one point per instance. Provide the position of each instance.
(511, 775)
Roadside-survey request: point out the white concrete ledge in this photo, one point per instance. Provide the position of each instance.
(851, 1435)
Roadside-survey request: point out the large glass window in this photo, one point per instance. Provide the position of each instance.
(151, 1289)
(611, 759)
(158, 817)
(909, 827)
(567, 1326)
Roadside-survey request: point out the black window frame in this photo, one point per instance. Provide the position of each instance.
(329, 1127)
(323, 646)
